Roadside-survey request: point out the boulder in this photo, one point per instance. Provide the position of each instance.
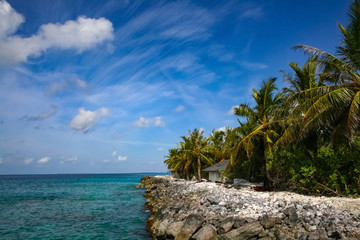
(268, 222)
(226, 225)
(246, 231)
(192, 223)
(293, 216)
(173, 229)
(207, 232)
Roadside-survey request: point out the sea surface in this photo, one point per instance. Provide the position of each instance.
(72, 206)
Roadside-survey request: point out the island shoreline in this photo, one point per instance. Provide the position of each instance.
(182, 209)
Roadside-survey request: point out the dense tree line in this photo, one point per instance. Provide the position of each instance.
(304, 136)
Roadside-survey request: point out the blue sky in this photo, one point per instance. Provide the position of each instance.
(109, 86)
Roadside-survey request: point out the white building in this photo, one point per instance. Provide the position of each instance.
(214, 171)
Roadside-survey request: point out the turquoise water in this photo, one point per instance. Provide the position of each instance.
(80, 206)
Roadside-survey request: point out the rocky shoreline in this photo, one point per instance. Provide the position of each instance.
(200, 210)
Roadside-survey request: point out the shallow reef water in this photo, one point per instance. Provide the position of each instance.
(72, 206)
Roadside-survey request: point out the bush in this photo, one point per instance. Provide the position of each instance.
(336, 171)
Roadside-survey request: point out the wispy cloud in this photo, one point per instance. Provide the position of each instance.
(180, 108)
(176, 20)
(42, 116)
(28, 161)
(253, 65)
(251, 11)
(62, 85)
(71, 160)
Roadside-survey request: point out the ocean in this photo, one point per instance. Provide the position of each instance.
(72, 206)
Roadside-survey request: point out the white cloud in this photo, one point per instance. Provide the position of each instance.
(142, 122)
(43, 160)
(86, 119)
(72, 160)
(122, 158)
(179, 108)
(10, 19)
(81, 34)
(28, 161)
(114, 153)
(159, 122)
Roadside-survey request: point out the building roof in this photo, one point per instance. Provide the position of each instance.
(217, 167)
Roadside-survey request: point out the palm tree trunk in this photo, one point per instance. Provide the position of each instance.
(199, 168)
(268, 181)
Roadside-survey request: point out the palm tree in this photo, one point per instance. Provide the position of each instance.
(303, 79)
(336, 104)
(216, 142)
(260, 130)
(198, 149)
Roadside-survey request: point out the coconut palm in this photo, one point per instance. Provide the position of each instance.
(216, 143)
(336, 104)
(301, 80)
(260, 130)
(198, 150)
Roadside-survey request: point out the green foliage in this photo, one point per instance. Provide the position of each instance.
(337, 171)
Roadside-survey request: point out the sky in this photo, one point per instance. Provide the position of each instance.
(109, 86)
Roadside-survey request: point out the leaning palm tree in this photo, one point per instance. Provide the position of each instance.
(261, 128)
(337, 103)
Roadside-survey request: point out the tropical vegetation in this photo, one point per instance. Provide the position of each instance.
(304, 136)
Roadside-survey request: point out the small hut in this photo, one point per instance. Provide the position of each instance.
(214, 171)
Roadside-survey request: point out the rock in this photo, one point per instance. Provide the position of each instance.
(207, 232)
(312, 228)
(239, 222)
(226, 225)
(246, 231)
(268, 222)
(160, 230)
(335, 235)
(173, 229)
(213, 200)
(192, 223)
(282, 234)
(293, 216)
